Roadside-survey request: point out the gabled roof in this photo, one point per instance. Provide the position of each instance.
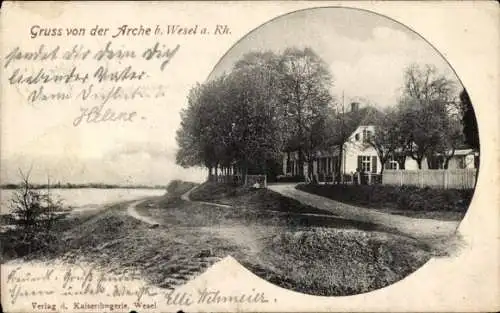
(365, 116)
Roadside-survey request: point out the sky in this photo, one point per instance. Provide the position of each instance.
(366, 54)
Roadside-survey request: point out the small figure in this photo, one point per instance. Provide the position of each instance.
(356, 177)
(362, 177)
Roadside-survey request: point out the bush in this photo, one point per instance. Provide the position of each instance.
(338, 262)
(34, 214)
(179, 187)
(405, 198)
(209, 191)
(34, 210)
(290, 179)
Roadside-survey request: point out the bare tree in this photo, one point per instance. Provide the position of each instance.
(425, 111)
(33, 210)
(386, 139)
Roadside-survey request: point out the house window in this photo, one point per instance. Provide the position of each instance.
(356, 137)
(391, 164)
(366, 134)
(366, 163)
(461, 161)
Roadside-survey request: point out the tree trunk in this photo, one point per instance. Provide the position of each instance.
(288, 163)
(301, 162)
(341, 170)
(419, 163)
(446, 163)
(210, 173)
(448, 158)
(310, 170)
(401, 159)
(429, 165)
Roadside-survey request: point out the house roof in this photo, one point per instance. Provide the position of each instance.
(352, 121)
(366, 116)
(369, 115)
(466, 152)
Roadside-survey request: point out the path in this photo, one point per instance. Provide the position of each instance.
(185, 197)
(241, 235)
(133, 213)
(414, 227)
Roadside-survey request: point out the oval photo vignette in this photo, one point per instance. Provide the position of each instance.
(336, 130)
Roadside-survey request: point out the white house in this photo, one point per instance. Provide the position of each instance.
(358, 154)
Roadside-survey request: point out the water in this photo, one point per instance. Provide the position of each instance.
(86, 198)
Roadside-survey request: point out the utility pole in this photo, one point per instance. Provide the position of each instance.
(341, 148)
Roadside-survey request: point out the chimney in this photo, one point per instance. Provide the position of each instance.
(354, 106)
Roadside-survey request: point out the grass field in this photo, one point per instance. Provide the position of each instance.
(315, 253)
(318, 254)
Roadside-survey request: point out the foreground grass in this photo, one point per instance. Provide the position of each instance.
(166, 256)
(318, 255)
(338, 262)
(449, 204)
(314, 253)
(258, 199)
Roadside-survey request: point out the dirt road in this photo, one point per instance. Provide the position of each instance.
(414, 227)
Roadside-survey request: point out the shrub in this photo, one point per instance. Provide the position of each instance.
(179, 187)
(32, 209)
(34, 213)
(405, 198)
(290, 179)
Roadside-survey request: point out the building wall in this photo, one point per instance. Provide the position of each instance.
(351, 157)
(456, 162)
(356, 146)
(294, 164)
(411, 164)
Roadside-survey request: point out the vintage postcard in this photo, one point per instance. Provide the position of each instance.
(249, 156)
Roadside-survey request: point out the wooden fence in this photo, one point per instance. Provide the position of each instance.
(258, 181)
(444, 179)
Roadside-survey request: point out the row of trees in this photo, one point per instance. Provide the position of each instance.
(269, 103)
(273, 103)
(429, 123)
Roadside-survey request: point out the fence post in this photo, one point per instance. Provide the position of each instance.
(445, 179)
(421, 178)
(369, 178)
(400, 178)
